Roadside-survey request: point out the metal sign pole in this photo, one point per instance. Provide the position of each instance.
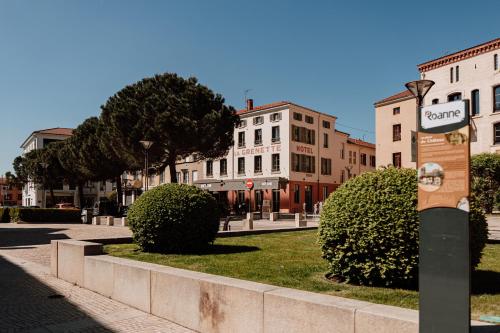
(443, 205)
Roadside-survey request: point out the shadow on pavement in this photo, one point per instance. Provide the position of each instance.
(29, 236)
(485, 282)
(28, 304)
(485, 329)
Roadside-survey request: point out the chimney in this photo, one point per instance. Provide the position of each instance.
(249, 104)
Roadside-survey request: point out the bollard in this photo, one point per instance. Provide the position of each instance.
(123, 222)
(248, 222)
(300, 220)
(96, 220)
(273, 217)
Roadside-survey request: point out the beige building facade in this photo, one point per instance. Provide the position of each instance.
(472, 74)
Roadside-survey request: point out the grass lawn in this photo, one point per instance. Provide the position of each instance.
(294, 260)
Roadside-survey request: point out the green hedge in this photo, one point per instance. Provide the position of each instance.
(44, 215)
(174, 218)
(369, 229)
(4, 215)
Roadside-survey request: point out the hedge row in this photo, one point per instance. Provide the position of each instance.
(4, 215)
(44, 215)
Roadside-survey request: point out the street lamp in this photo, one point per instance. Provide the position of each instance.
(44, 165)
(419, 89)
(146, 145)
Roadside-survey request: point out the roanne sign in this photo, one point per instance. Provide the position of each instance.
(438, 115)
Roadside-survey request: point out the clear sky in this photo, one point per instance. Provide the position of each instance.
(61, 60)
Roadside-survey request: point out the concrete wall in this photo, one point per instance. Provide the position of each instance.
(211, 303)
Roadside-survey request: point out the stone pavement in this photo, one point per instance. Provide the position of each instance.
(494, 227)
(31, 300)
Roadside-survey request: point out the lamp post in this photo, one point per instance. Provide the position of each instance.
(146, 145)
(419, 89)
(44, 165)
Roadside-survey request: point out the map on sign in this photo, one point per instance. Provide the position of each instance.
(438, 115)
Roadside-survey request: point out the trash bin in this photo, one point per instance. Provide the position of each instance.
(87, 215)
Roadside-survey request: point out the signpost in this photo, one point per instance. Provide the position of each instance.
(249, 186)
(443, 154)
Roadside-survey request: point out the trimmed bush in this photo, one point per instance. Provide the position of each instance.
(174, 218)
(369, 229)
(47, 215)
(4, 215)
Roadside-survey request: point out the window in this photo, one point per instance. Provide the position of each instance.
(304, 135)
(210, 168)
(303, 163)
(275, 160)
(309, 120)
(451, 75)
(396, 160)
(350, 157)
(496, 99)
(275, 134)
(496, 133)
(326, 166)
(354, 158)
(396, 132)
(372, 160)
(297, 116)
(185, 176)
(178, 175)
(326, 124)
(435, 101)
(194, 175)
(258, 120)
(325, 140)
(475, 102)
(162, 177)
(275, 116)
(362, 158)
(495, 62)
(258, 137)
(456, 74)
(241, 165)
(342, 152)
(296, 193)
(325, 192)
(342, 176)
(257, 164)
(396, 111)
(223, 167)
(242, 123)
(241, 139)
(454, 97)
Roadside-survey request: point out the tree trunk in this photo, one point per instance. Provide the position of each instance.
(52, 197)
(172, 168)
(119, 191)
(80, 194)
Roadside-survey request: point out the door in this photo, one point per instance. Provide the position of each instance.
(276, 200)
(308, 198)
(258, 200)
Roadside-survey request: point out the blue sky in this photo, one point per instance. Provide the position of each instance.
(61, 60)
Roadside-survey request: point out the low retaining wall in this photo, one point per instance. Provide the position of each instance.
(212, 303)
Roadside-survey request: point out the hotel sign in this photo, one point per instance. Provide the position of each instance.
(258, 150)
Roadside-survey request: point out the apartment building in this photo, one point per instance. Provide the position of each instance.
(35, 195)
(292, 154)
(472, 74)
(10, 195)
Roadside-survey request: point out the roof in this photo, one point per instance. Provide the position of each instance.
(345, 133)
(400, 96)
(460, 55)
(277, 105)
(61, 131)
(361, 143)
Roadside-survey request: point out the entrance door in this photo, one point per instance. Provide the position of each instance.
(308, 198)
(258, 200)
(276, 200)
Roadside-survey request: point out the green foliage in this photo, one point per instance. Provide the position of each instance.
(369, 229)
(4, 215)
(174, 218)
(179, 115)
(485, 169)
(49, 215)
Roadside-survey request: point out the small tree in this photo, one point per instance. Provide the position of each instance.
(485, 170)
(179, 115)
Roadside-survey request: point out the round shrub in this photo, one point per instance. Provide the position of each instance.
(369, 229)
(174, 218)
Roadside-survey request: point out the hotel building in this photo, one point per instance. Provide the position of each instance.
(472, 74)
(292, 154)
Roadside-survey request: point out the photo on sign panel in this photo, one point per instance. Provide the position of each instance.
(456, 138)
(430, 177)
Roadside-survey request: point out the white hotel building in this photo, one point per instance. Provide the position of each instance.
(293, 155)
